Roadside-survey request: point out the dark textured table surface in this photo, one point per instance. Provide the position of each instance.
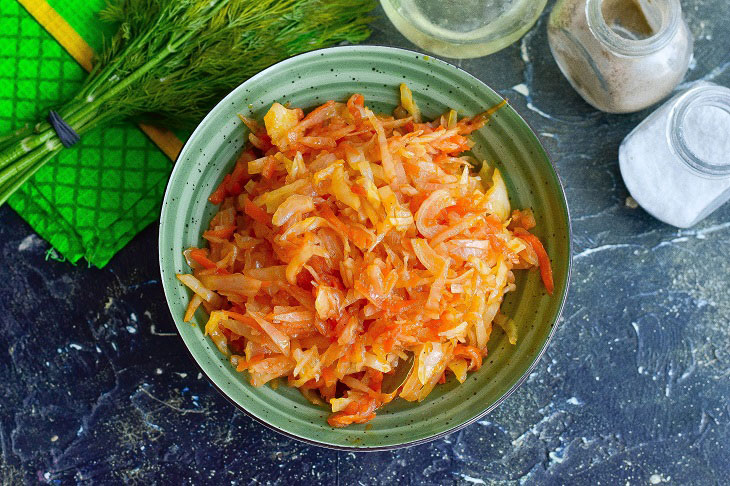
(95, 387)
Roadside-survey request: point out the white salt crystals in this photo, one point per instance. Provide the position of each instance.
(703, 128)
(676, 163)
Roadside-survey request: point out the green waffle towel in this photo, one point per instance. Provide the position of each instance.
(90, 200)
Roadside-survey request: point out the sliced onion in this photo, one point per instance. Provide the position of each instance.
(268, 274)
(274, 198)
(328, 302)
(459, 367)
(497, 199)
(296, 203)
(235, 282)
(197, 287)
(349, 333)
(372, 361)
(341, 189)
(242, 329)
(292, 314)
(429, 210)
(385, 156)
(356, 384)
(427, 256)
(280, 339)
(509, 326)
(456, 229)
(455, 332)
(270, 368)
(212, 329)
(192, 307)
(429, 358)
(308, 224)
(302, 256)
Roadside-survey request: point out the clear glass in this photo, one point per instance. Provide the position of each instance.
(621, 55)
(463, 29)
(699, 130)
(675, 163)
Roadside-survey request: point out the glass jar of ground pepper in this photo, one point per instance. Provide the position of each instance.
(621, 55)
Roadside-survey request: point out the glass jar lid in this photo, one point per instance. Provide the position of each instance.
(699, 130)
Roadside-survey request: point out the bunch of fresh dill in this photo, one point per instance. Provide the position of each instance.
(171, 60)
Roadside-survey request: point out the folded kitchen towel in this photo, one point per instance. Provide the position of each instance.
(90, 200)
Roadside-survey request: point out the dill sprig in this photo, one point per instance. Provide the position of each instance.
(171, 60)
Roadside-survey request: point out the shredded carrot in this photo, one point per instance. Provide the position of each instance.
(226, 232)
(200, 256)
(354, 104)
(220, 193)
(546, 271)
(345, 239)
(256, 213)
(269, 168)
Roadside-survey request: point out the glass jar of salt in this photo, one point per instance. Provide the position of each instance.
(676, 163)
(621, 56)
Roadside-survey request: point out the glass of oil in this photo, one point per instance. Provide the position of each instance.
(462, 29)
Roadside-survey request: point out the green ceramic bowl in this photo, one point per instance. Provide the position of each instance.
(507, 141)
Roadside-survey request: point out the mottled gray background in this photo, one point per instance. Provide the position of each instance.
(96, 388)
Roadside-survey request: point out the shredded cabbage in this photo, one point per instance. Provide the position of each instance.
(351, 239)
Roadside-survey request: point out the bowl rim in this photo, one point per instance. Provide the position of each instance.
(479, 416)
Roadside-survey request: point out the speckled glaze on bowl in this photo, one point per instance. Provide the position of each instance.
(507, 141)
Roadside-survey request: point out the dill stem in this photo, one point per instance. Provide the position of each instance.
(44, 131)
(75, 112)
(7, 189)
(15, 136)
(24, 159)
(24, 167)
(204, 46)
